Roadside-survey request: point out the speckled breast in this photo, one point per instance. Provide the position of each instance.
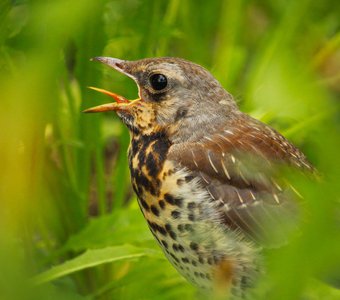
(181, 216)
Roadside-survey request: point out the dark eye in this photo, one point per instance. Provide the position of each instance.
(158, 81)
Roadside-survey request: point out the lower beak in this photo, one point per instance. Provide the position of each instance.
(105, 107)
(120, 104)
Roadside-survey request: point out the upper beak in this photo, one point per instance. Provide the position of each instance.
(121, 103)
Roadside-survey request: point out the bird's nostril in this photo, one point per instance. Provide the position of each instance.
(120, 66)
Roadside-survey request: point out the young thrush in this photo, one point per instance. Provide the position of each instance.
(205, 173)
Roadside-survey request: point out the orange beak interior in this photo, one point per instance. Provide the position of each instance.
(118, 105)
(118, 98)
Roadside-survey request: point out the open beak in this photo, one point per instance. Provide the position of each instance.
(121, 103)
(115, 106)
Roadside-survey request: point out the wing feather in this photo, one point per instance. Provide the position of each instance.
(237, 167)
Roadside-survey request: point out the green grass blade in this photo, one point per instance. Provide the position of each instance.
(92, 258)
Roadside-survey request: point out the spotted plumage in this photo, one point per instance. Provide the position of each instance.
(206, 175)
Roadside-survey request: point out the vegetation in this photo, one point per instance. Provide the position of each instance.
(70, 226)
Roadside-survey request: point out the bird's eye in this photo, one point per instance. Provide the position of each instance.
(158, 81)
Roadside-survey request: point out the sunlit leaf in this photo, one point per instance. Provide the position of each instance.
(92, 258)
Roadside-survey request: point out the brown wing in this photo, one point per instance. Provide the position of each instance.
(237, 165)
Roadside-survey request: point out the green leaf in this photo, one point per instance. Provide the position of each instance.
(121, 227)
(317, 290)
(92, 258)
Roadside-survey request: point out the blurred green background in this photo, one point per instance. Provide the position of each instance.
(70, 227)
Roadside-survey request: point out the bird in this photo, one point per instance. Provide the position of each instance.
(206, 175)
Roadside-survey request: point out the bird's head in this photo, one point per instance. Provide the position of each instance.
(174, 95)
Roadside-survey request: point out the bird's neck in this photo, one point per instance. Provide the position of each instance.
(196, 128)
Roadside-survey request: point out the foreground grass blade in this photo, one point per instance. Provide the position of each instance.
(92, 258)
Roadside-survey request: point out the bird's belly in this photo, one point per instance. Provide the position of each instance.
(186, 224)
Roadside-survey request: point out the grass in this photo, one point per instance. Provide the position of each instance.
(69, 220)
